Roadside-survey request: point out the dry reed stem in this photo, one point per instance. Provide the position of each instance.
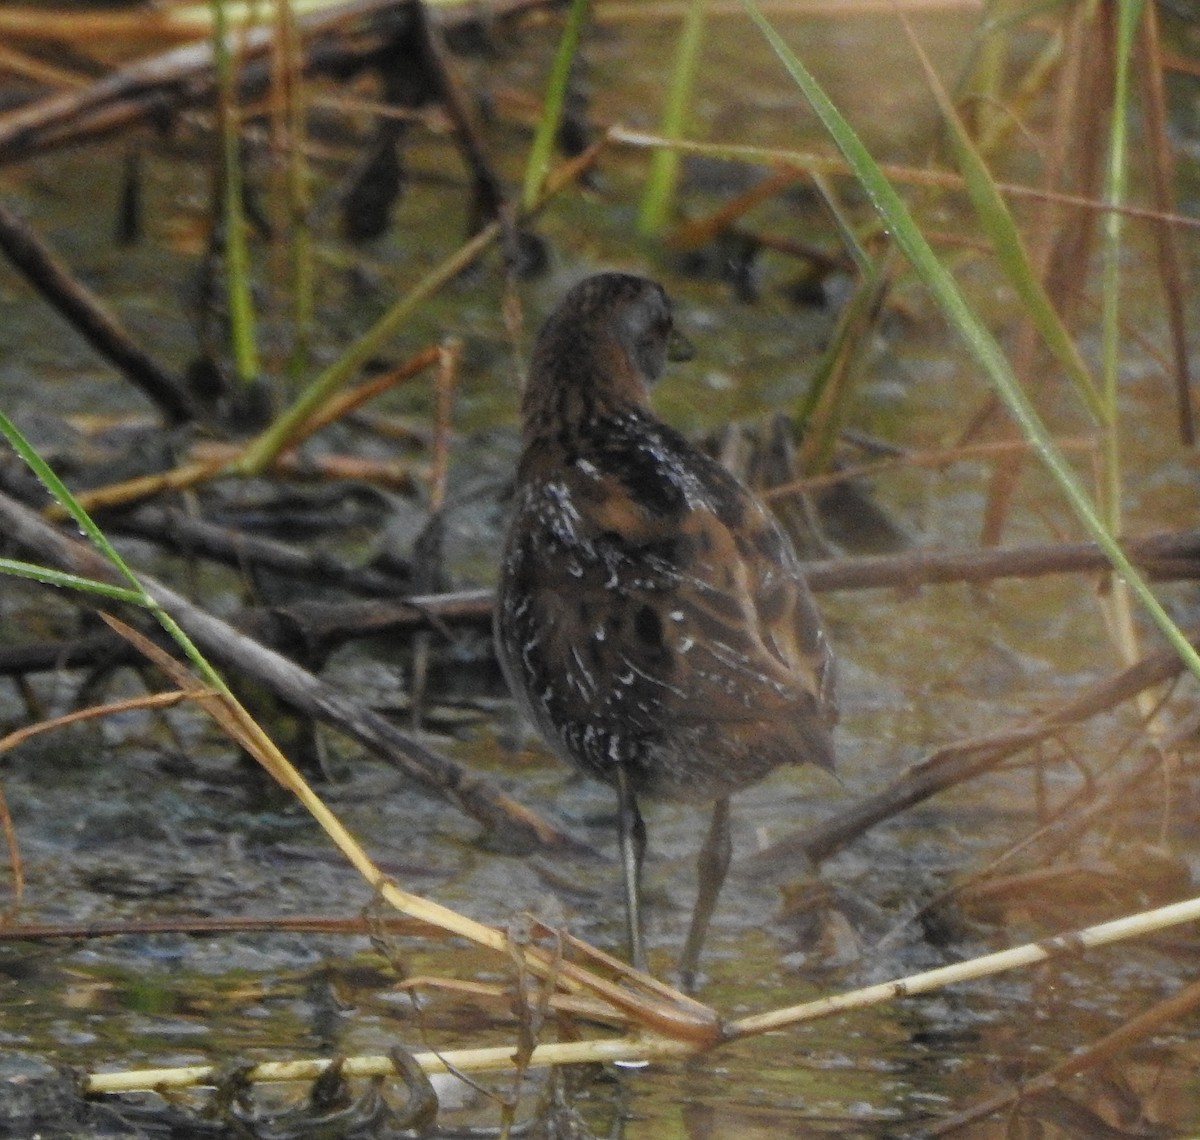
(208, 925)
(492, 1059)
(142, 487)
(397, 474)
(501, 994)
(213, 459)
(1135, 1029)
(449, 353)
(656, 1047)
(183, 23)
(343, 403)
(935, 458)
(14, 858)
(148, 701)
(1170, 262)
(30, 67)
(678, 1016)
(1057, 946)
(70, 26)
(622, 11)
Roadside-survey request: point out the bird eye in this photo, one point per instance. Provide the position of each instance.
(646, 332)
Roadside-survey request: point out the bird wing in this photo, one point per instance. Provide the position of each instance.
(668, 594)
(747, 636)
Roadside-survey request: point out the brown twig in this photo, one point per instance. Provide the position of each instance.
(449, 355)
(311, 630)
(77, 653)
(1136, 1029)
(488, 195)
(428, 553)
(208, 925)
(146, 701)
(15, 863)
(344, 402)
(301, 689)
(1175, 555)
(91, 319)
(152, 701)
(695, 233)
(186, 475)
(195, 537)
(211, 459)
(184, 76)
(964, 760)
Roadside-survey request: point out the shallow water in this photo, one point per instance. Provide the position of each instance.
(114, 823)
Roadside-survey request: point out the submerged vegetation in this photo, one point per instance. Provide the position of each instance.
(936, 260)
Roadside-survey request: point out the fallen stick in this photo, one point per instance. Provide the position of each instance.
(963, 760)
(184, 76)
(1174, 555)
(89, 317)
(647, 1047)
(301, 689)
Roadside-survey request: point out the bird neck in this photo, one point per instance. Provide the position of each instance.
(564, 399)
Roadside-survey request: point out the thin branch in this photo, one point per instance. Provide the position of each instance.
(184, 75)
(300, 688)
(1162, 1013)
(964, 760)
(85, 313)
(655, 1047)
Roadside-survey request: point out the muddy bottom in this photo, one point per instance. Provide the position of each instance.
(155, 818)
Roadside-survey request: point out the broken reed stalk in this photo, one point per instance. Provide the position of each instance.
(1058, 946)
(652, 1005)
(655, 1047)
(645, 1001)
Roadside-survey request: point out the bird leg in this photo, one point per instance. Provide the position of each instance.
(711, 866)
(633, 851)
